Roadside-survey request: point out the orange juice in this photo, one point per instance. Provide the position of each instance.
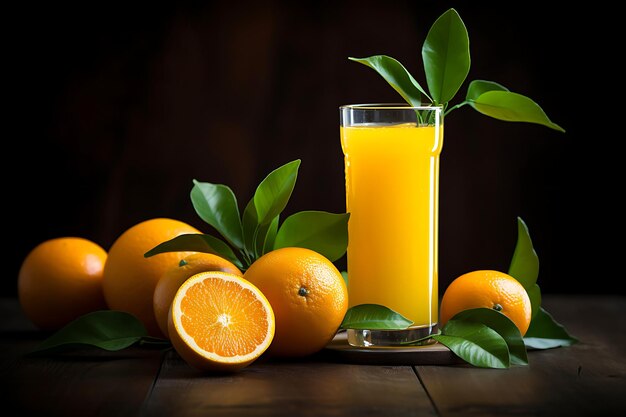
(392, 184)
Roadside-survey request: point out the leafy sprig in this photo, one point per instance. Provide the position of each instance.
(247, 237)
(446, 60)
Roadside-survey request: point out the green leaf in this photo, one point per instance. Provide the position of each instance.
(266, 236)
(512, 107)
(344, 275)
(196, 242)
(397, 76)
(503, 326)
(154, 342)
(216, 204)
(258, 239)
(273, 193)
(374, 317)
(250, 226)
(545, 333)
(107, 329)
(269, 200)
(475, 343)
(477, 87)
(524, 265)
(534, 293)
(323, 232)
(446, 56)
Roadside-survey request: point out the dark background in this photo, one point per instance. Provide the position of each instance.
(113, 110)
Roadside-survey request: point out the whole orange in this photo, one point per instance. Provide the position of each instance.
(130, 278)
(171, 281)
(308, 295)
(60, 280)
(490, 289)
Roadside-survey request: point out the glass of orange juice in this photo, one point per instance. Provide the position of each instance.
(392, 185)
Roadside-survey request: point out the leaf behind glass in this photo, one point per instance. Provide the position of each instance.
(323, 232)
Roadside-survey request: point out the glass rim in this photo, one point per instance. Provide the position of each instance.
(390, 106)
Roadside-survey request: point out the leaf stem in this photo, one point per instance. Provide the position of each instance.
(245, 256)
(254, 238)
(463, 103)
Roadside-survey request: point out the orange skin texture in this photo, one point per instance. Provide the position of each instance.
(130, 278)
(61, 280)
(487, 288)
(308, 295)
(171, 281)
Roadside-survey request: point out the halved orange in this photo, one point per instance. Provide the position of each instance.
(219, 321)
(173, 278)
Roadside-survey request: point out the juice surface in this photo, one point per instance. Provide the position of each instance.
(392, 185)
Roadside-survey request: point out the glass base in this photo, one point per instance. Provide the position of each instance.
(413, 336)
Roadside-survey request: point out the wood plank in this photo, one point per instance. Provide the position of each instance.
(281, 388)
(83, 383)
(588, 378)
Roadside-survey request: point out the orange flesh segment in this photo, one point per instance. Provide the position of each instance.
(223, 317)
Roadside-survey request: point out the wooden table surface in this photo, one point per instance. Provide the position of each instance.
(586, 379)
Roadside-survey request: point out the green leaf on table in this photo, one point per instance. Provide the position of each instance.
(545, 333)
(478, 87)
(512, 107)
(397, 76)
(216, 204)
(273, 193)
(107, 329)
(503, 326)
(524, 265)
(475, 343)
(374, 317)
(323, 232)
(446, 56)
(154, 342)
(196, 242)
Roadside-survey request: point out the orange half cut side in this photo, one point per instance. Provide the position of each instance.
(219, 321)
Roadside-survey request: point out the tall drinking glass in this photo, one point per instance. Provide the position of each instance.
(392, 185)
